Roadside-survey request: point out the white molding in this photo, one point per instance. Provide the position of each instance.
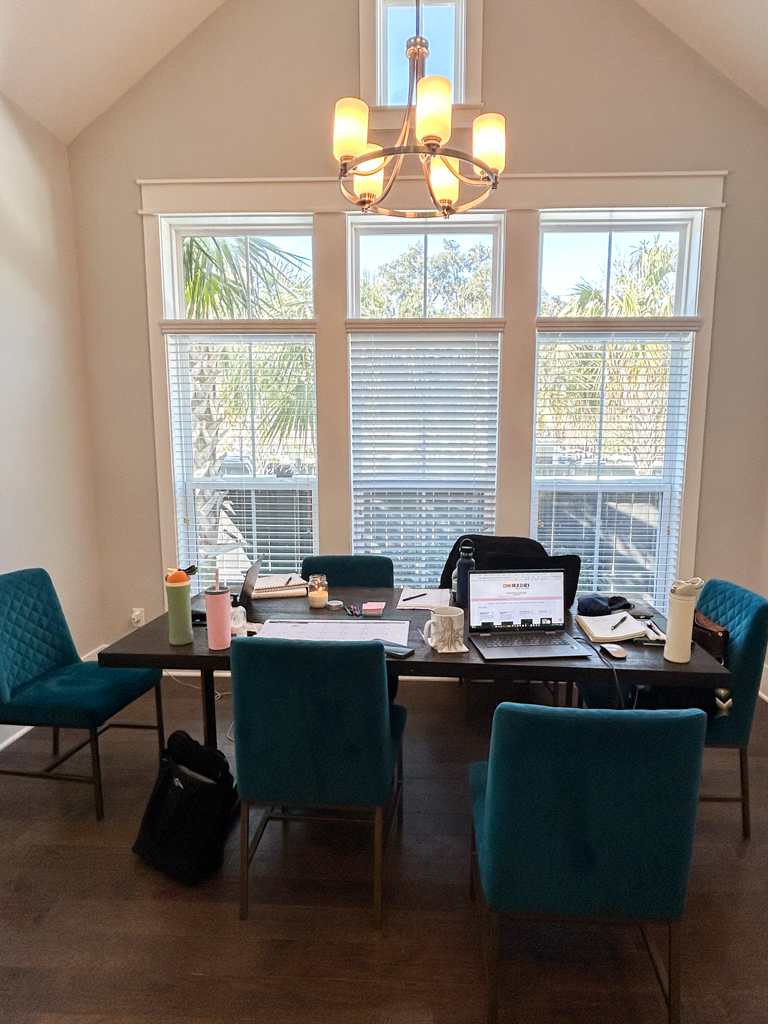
(617, 324)
(91, 655)
(238, 326)
(490, 325)
(764, 684)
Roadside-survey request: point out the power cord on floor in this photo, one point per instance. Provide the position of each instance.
(218, 694)
(609, 662)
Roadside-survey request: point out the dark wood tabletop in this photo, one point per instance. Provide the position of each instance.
(644, 665)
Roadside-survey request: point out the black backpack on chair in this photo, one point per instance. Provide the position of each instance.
(190, 811)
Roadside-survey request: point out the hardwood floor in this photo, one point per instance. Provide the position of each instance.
(90, 935)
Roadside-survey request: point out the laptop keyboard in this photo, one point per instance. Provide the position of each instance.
(525, 641)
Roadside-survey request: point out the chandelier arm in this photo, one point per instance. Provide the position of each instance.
(390, 181)
(429, 151)
(426, 165)
(472, 203)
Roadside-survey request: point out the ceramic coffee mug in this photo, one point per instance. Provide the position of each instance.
(445, 630)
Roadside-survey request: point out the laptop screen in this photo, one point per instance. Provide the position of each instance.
(246, 592)
(517, 599)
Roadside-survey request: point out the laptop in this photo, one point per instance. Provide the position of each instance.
(246, 592)
(520, 613)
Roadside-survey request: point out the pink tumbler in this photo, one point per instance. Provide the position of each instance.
(217, 616)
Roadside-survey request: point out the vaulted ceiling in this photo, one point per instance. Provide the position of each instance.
(66, 61)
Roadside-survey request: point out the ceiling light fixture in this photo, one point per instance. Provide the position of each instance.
(430, 117)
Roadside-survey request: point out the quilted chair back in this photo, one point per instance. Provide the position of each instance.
(589, 812)
(34, 635)
(312, 722)
(745, 616)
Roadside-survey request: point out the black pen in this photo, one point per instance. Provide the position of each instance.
(412, 597)
(617, 624)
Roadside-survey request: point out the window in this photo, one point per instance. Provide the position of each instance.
(612, 404)
(435, 271)
(424, 421)
(242, 396)
(442, 25)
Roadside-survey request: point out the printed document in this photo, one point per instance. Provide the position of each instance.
(387, 630)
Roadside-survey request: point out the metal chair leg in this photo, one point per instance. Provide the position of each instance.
(673, 996)
(745, 817)
(472, 855)
(400, 781)
(55, 747)
(245, 814)
(96, 770)
(377, 861)
(493, 967)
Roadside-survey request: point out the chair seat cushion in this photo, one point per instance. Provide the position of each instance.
(79, 696)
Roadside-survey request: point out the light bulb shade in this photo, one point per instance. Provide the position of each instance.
(444, 183)
(433, 109)
(489, 140)
(350, 128)
(367, 183)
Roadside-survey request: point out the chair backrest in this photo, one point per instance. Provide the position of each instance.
(34, 635)
(311, 722)
(590, 812)
(570, 564)
(351, 570)
(745, 616)
(484, 544)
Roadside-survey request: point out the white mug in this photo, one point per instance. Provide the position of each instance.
(447, 624)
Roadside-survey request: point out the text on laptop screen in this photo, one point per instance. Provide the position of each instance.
(516, 599)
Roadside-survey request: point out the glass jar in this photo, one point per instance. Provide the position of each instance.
(318, 590)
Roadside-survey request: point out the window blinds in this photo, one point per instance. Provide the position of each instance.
(424, 438)
(244, 441)
(611, 425)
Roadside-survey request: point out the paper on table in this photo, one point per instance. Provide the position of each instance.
(388, 630)
(431, 599)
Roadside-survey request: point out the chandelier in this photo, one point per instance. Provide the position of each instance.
(430, 119)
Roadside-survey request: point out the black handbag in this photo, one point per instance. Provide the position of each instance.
(190, 811)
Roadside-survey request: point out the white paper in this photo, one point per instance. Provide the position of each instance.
(430, 599)
(389, 630)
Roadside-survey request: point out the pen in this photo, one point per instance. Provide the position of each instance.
(617, 624)
(412, 597)
(655, 629)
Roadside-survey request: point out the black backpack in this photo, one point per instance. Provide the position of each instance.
(190, 811)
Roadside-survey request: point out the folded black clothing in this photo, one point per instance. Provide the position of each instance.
(602, 604)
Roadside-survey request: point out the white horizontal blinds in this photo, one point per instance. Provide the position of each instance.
(611, 417)
(244, 440)
(424, 437)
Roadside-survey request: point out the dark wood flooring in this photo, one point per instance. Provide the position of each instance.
(90, 935)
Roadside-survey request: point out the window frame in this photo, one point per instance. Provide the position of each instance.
(459, 46)
(491, 223)
(689, 222)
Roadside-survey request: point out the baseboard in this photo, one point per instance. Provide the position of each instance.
(764, 683)
(10, 733)
(92, 655)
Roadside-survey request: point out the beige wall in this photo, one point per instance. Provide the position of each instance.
(47, 515)
(586, 85)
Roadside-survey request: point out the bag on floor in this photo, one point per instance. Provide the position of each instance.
(190, 811)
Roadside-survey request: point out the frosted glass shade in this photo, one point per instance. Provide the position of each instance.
(350, 128)
(433, 109)
(489, 140)
(444, 183)
(370, 184)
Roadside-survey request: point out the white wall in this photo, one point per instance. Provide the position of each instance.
(47, 515)
(586, 85)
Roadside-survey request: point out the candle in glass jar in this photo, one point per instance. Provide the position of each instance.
(318, 591)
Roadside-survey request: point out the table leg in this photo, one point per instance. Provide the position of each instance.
(569, 694)
(209, 707)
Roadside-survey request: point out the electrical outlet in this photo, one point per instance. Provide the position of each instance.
(137, 617)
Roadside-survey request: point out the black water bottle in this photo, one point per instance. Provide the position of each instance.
(465, 563)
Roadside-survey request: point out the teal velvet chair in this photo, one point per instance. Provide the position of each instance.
(43, 681)
(314, 733)
(351, 570)
(745, 616)
(586, 814)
